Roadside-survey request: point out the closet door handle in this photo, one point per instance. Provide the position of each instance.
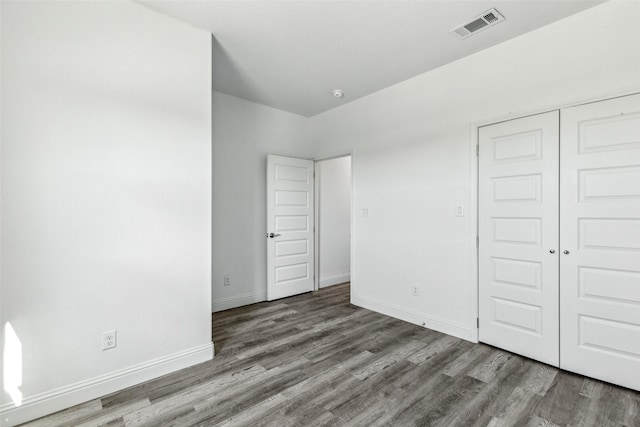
(566, 252)
(552, 251)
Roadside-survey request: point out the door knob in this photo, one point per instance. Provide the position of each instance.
(566, 252)
(552, 251)
(271, 235)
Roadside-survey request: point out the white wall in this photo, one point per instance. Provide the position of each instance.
(106, 188)
(334, 188)
(106, 197)
(413, 155)
(243, 134)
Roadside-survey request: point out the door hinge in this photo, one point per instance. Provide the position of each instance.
(477, 241)
(478, 322)
(478, 150)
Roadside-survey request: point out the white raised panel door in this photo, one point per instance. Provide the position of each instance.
(290, 245)
(518, 236)
(600, 216)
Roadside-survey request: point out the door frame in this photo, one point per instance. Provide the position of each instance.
(316, 219)
(474, 141)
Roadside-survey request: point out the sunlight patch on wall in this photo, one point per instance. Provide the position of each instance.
(12, 362)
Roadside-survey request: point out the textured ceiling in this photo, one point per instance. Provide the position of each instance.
(291, 54)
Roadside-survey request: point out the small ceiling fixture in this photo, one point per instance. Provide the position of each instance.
(337, 93)
(479, 23)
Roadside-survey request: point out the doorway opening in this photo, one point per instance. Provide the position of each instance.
(333, 183)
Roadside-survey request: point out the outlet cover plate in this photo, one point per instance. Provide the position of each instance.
(109, 339)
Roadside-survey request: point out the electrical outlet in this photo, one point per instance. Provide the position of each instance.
(415, 291)
(109, 339)
(227, 280)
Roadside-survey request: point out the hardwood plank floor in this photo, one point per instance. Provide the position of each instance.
(316, 360)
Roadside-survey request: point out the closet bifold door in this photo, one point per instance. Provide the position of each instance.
(518, 236)
(600, 240)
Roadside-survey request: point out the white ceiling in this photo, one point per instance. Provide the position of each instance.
(291, 54)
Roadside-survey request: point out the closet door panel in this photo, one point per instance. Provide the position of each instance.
(600, 230)
(518, 229)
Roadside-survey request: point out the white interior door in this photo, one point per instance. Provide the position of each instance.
(600, 240)
(518, 236)
(290, 221)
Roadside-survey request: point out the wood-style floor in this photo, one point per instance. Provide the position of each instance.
(316, 360)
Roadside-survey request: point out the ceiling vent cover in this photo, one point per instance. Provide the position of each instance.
(487, 19)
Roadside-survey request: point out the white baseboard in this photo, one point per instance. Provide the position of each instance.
(441, 325)
(238, 301)
(334, 280)
(61, 398)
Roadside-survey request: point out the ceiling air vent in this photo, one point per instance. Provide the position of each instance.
(479, 23)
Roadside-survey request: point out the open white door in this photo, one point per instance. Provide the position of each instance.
(600, 240)
(290, 221)
(518, 230)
